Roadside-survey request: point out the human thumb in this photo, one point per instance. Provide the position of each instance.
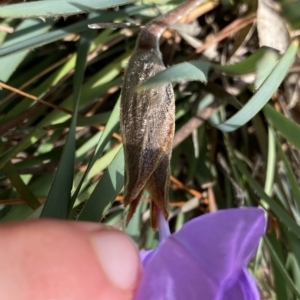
(49, 259)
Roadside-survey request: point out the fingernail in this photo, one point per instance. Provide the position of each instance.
(118, 258)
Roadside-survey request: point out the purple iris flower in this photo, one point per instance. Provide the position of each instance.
(206, 259)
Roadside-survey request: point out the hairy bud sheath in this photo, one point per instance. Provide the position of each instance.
(147, 126)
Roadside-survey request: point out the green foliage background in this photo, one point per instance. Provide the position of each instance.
(61, 154)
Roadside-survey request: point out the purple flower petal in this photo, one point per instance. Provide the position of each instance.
(163, 226)
(205, 258)
(244, 288)
(146, 255)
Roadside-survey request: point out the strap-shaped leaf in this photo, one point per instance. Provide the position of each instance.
(293, 183)
(287, 128)
(197, 70)
(194, 70)
(28, 29)
(281, 267)
(281, 214)
(59, 197)
(104, 138)
(14, 177)
(49, 37)
(263, 94)
(106, 190)
(55, 8)
(248, 65)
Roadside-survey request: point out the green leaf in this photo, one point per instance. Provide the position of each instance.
(280, 285)
(19, 212)
(293, 183)
(28, 140)
(55, 8)
(104, 138)
(271, 166)
(281, 214)
(290, 11)
(133, 229)
(263, 94)
(103, 162)
(264, 68)
(106, 191)
(198, 70)
(101, 118)
(59, 197)
(281, 267)
(14, 177)
(97, 85)
(248, 65)
(292, 266)
(287, 128)
(49, 37)
(27, 30)
(195, 70)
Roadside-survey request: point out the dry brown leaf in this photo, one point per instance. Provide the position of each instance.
(271, 27)
(245, 33)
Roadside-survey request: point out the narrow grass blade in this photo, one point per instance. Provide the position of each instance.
(101, 118)
(29, 140)
(281, 214)
(294, 185)
(287, 128)
(58, 200)
(17, 182)
(28, 29)
(104, 138)
(133, 227)
(282, 268)
(104, 161)
(19, 212)
(106, 191)
(280, 285)
(292, 266)
(100, 83)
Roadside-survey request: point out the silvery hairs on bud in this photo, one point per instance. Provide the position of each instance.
(148, 119)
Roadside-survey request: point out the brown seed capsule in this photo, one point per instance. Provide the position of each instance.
(147, 126)
(148, 119)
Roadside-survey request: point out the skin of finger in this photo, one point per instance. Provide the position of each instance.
(46, 259)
